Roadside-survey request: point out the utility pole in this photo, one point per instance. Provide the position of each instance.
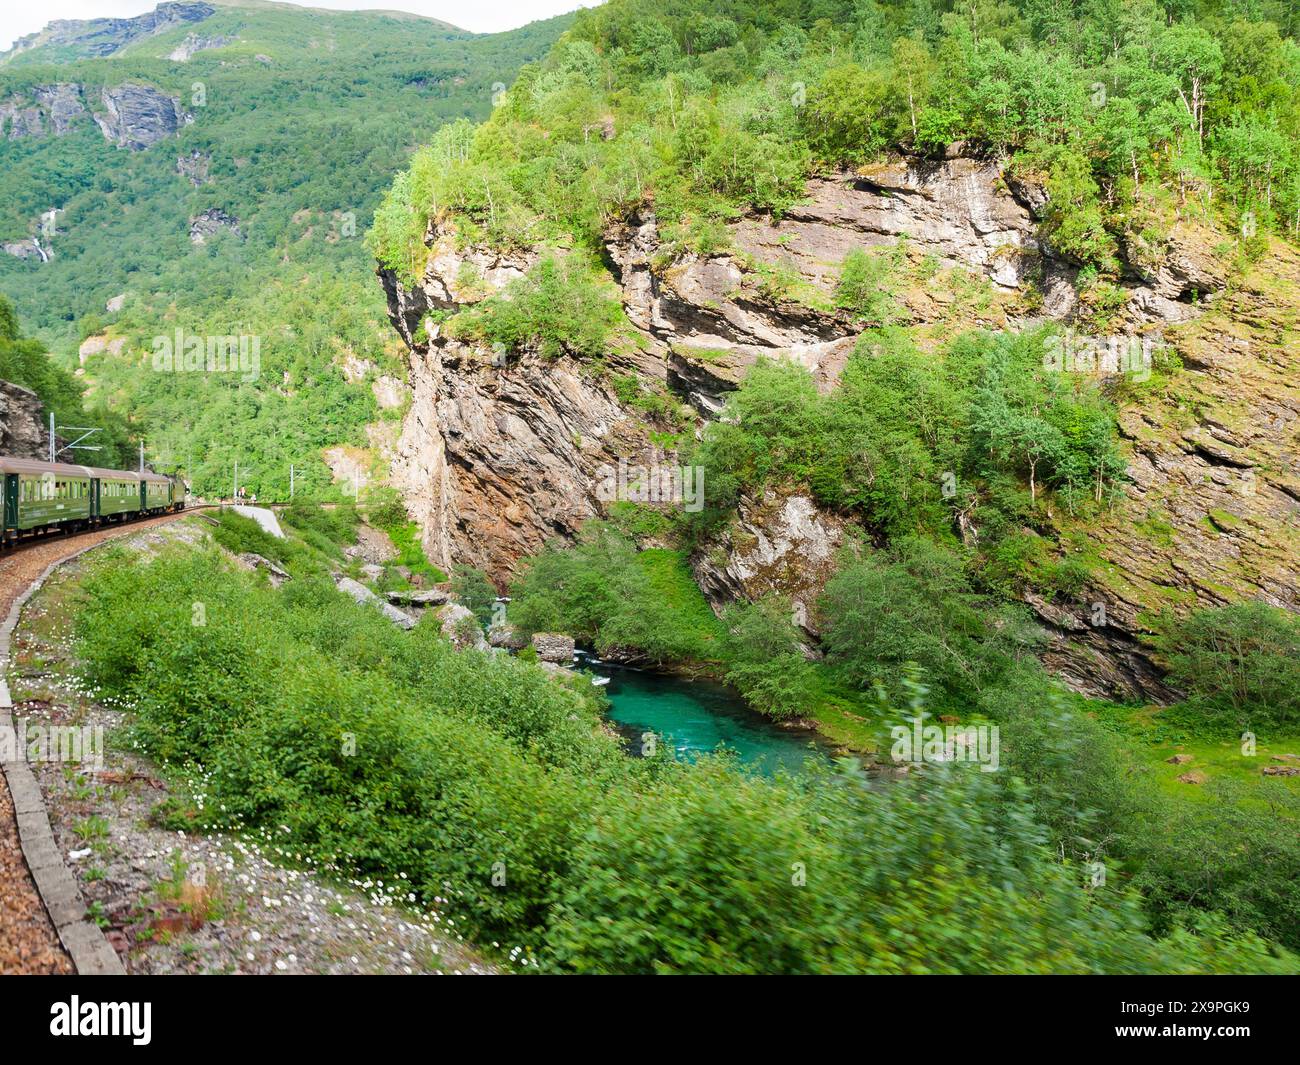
(86, 432)
(142, 456)
(291, 482)
(235, 497)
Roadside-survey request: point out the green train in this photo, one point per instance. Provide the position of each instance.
(42, 496)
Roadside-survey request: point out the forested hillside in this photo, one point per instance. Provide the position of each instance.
(977, 323)
(1116, 103)
(214, 174)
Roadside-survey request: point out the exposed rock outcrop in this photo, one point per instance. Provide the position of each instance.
(194, 167)
(361, 594)
(21, 118)
(211, 222)
(553, 647)
(86, 38)
(275, 573)
(461, 627)
(62, 103)
(134, 115)
(28, 248)
(780, 544)
(24, 432)
(137, 115)
(497, 456)
(1212, 515)
(193, 43)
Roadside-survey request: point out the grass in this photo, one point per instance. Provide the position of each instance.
(670, 579)
(410, 552)
(1153, 741)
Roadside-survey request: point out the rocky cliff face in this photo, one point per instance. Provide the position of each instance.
(88, 38)
(23, 431)
(494, 460)
(136, 116)
(133, 115)
(193, 44)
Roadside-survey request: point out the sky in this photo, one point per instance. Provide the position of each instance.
(481, 16)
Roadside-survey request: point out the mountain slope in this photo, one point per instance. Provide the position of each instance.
(745, 186)
(212, 174)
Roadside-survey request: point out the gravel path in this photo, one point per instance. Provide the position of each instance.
(28, 942)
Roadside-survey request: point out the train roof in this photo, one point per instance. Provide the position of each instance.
(58, 469)
(64, 469)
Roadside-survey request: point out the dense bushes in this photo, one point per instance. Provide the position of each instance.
(764, 657)
(1239, 665)
(909, 440)
(238, 534)
(600, 592)
(490, 785)
(916, 605)
(557, 308)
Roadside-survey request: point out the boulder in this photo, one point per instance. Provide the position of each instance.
(211, 222)
(277, 574)
(362, 594)
(461, 627)
(421, 599)
(507, 636)
(553, 647)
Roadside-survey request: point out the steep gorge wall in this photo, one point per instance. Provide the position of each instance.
(494, 460)
(24, 432)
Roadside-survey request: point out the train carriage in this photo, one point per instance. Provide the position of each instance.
(119, 493)
(155, 493)
(40, 496)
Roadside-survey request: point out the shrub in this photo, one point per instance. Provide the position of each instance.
(556, 309)
(764, 658)
(1239, 665)
(863, 287)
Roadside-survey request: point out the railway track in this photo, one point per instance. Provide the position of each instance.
(29, 941)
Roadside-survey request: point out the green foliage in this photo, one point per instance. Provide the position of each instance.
(685, 877)
(474, 591)
(606, 595)
(863, 287)
(1239, 666)
(24, 361)
(298, 149)
(239, 534)
(765, 660)
(1100, 103)
(916, 605)
(908, 439)
(557, 308)
(489, 785)
(337, 524)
